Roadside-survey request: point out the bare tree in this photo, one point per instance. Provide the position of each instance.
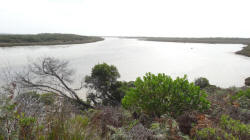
(51, 75)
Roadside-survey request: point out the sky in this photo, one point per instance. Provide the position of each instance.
(169, 18)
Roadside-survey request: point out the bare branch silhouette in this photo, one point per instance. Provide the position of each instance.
(51, 75)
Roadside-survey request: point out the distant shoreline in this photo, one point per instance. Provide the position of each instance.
(10, 40)
(217, 40)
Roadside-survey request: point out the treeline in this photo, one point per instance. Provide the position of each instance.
(45, 39)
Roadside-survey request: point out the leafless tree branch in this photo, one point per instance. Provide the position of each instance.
(51, 75)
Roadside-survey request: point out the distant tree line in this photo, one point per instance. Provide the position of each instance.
(45, 38)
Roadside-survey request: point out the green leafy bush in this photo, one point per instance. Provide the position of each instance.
(202, 82)
(242, 93)
(243, 99)
(158, 94)
(228, 129)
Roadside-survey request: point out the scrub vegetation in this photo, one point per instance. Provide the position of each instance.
(8, 40)
(42, 104)
(245, 51)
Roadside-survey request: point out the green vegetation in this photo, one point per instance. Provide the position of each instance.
(154, 107)
(242, 93)
(45, 39)
(245, 51)
(107, 90)
(157, 94)
(228, 129)
(247, 81)
(201, 82)
(47, 98)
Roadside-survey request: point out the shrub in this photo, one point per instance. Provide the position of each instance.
(26, 126)
(105, 89)
(202, 82)
(158, 94)
(47, 98)
(247, 81)
(242, 93)
(186, 122)
(227, 129)
(242, 98)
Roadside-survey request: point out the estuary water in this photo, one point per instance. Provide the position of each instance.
(133, 58)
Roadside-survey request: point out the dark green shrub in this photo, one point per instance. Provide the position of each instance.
(105, 89)
(247, 81)
(159, 94)
(201, 82)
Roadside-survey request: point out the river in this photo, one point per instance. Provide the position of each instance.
(133, 58)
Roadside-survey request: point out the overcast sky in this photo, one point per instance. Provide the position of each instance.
(180, 18)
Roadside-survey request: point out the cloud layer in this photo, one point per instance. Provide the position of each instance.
(196, 18)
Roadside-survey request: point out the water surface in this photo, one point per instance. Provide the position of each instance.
(134, 58)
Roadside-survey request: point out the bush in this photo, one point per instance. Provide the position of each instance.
(247, 81)
(105, 89)
(242, 93)
(242, 98)
(202, 82)
(158, 94)
(47, 98)
(228, 129)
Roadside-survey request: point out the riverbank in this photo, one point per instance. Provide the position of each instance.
(45, 39)
(245, 51)
(246, 41)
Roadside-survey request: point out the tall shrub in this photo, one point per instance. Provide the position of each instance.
(159, 94)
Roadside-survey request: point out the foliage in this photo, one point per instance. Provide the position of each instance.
(26, 126)
(202, 82)
(227, 129)
(242, 100)
(159, 94)
(105, 88)
(57, 125)
(245, 51)
(15, 124)
(45, 39)
(8, 120)
(242, 93)
(48, 98)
